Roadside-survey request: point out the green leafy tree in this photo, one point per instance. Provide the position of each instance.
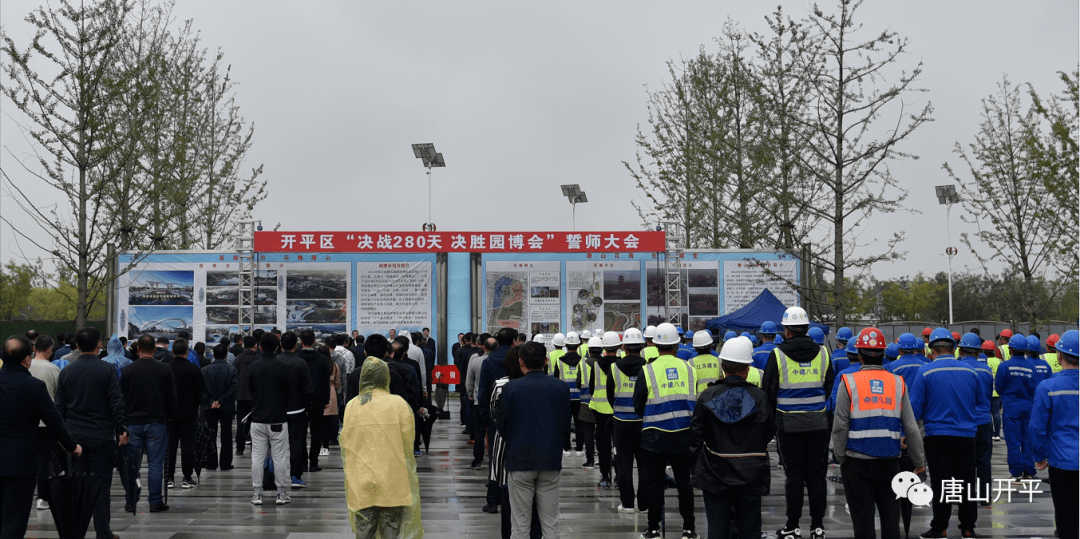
(1057, 152)
(16, 285)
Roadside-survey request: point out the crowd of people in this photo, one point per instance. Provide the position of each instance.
(681, 410)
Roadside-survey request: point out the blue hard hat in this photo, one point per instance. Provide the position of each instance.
(730, 335)
(817, 335)
(1034, 345)
(747, 335)
(768, 327)
(941, 334)
(755, 340)
(1018, 342)
(892, 351)
(689, 335)
(679, 329)
(780, 339)
(850, 348)
(971, 340)
(1069, 343)
(909, 341)
(844, 334)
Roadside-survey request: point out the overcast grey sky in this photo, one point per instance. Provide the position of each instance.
(524, 96)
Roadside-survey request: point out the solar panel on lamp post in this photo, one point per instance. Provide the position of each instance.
(427, 154)
(573, 192)
(946, 195)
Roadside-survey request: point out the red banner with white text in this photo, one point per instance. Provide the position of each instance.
(459, 242)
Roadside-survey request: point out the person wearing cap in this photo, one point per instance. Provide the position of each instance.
(984, 445)
(797, 381)
(730, 433)
(586, 418)
(1016, 381)
(706, 365)
(558, 343)
(993, 361)
(1051, 353)
(873, 412)
(892, 353)
(910, 360)
(1055, 432)
(626, 429)
(1003, 344)
(1035, 349)
(600, 399)
(566, 369)
(815, 335)
(649, 352)
(686, 348)
(843, 335)
(926, 340)
(945, 397)
(768, 335)
(583, 347)
(664, 396)
(852, 363)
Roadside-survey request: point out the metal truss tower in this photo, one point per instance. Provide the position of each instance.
(245, 249)
(673, 256)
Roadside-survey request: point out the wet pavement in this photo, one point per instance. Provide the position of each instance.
(452, 495)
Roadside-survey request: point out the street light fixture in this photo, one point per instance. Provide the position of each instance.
(431, 158)
(573, 192)
(946, 195)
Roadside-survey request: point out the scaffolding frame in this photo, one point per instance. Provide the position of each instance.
(673, 256)
(246, 268)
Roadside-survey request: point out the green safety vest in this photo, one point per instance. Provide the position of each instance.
(672, 394)
(599, 401)
(801, 384)
(1052, 359)
(706, 370)
(650, 353)
(993, 362)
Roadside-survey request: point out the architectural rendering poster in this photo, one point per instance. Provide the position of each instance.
(523, 295)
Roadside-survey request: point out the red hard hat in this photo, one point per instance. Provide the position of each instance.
(956, 336)
(870, 339)
(926, 332)
(1005, 333)
(988, 345)
(1052, 340)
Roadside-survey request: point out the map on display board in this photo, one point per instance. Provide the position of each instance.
(603, 294)
(745, 279)
(523, 295)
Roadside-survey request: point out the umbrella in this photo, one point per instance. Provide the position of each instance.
(204, 444)
(906, 465)
(127, 466)
(433, 415)
(73, 499)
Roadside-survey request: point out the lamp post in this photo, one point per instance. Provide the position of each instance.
(573, 192)
(431, 158)
(946, 194)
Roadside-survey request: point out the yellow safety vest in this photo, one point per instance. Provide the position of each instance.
(801, 384)
(1052, 359)
(599, 401)
(753, 375)
(706, 370)
(672, 394)
(993, 362)
(650, 353)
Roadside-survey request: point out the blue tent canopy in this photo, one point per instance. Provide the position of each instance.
(750, 316)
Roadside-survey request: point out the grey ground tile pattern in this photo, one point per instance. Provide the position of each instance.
(452, 495)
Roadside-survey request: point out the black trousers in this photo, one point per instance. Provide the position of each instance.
(951, 457)
(243, 430)
(984, 450)
(463, 398)
(492, 486)
(181, 434)
(298, 443)
(17, 498)
(51, 460)
(588, 431)
(99, 458)
(316, 422)
(1065, 489)
(479, 432)
(806, 462)
(220, 421)
(628, 444)
(603, 444)
(579, 438)
(656, 480)
(721, 512)
(868, 484)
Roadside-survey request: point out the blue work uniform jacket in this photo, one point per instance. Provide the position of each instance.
(906, 367)
(986, 385)
(945, 396)
(761, 355)
(853, 367)
(1016, 381)
(1055, 421)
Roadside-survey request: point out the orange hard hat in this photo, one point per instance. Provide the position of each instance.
(988, 345)
(1007, 333)
(1052, 340)
(926, 332)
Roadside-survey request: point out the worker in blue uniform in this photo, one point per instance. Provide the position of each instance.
(1055, 433)
(910, 360)
(762, 353)
(970, 346)
(892, 352)
(851, 355)
(852, 363)
(686, 347)
(1015, 382)
(945, 397)
(843, 335)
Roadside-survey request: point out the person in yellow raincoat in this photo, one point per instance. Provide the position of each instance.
(381, 485)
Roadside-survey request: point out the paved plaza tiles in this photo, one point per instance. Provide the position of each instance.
(452, 495)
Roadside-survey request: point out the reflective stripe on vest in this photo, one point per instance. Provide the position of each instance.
(584, 369)
(671, 400)
(706, 370)
(599, 401)
(802, 384)
(623, 403)
(874, 428)
(568, 373)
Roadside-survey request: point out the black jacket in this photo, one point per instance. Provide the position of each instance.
(242, 363)
(190, 387)
(270, 387)
(406, 385)
(236, 350)
(25, 401)
(732, 417)
(319, 370)
(88, 395)
(149, 391)
(221, 385)
(300, 376)
(163, 355)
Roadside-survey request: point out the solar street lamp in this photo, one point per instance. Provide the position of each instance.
(431, 158)
(946, 195)
(573, 192)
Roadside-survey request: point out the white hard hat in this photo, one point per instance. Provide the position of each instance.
(572, 338)
(795, 316)
(650, 332)
(586, 334)
(633, 336)
(558, 339)
(610, 339)
(598, 332)
(702, 338)
(667, 334)
(738, 350)
(539, 337)
(596, 342)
